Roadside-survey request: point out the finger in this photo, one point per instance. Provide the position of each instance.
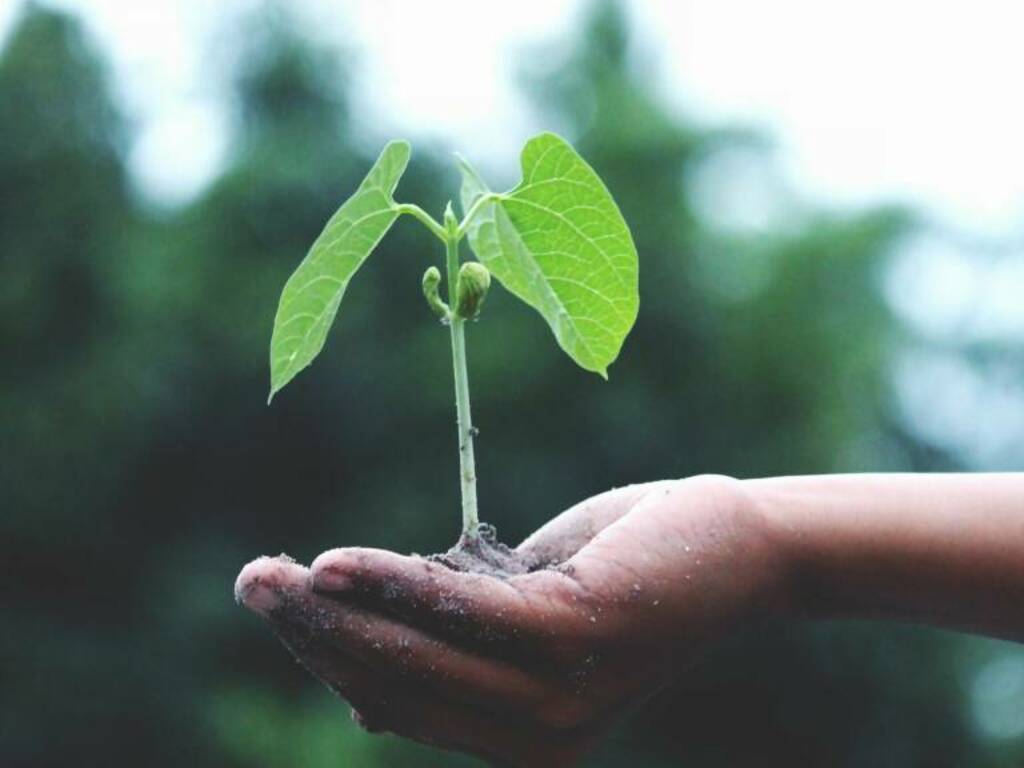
(281, 591)
(265, 586)
(565, 535)
(263, 583)
(383, 702)
(520, 617)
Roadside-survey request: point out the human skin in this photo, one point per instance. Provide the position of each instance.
(530, 671)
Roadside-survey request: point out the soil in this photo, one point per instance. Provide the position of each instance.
(485, 554)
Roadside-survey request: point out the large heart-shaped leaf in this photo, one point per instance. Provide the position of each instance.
(313, 293)
(559, 243)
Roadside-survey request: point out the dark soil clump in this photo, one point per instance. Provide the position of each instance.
(485, 554)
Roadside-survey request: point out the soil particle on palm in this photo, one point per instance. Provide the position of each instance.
(485, 554)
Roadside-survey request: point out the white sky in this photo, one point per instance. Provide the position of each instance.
(867, 102)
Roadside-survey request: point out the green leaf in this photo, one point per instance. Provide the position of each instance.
(559, 243)
(313, 293)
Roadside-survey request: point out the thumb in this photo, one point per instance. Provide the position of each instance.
(561, 538)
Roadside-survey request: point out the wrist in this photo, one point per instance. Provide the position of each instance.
(941, 549)
(787, 594)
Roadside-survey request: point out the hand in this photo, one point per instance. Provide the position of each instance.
(531, 670)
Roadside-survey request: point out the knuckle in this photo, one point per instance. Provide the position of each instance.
(724, 497)
(719, 487)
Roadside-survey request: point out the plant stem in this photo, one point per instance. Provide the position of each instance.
(424, 217)
(467, 463)
(480, 203)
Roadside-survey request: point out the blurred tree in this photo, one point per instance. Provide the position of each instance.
(66, 205)
(69, 419)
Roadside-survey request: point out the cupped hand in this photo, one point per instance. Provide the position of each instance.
(529, 670)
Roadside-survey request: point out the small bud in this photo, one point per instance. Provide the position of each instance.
(451, 223)
(474, 282)
(431, 281)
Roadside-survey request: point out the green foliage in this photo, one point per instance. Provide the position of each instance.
(313, 293)
(559, 243)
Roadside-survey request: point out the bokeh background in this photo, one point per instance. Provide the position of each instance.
(829, 209)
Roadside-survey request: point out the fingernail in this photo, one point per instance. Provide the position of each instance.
(330, 580)
(252, 589)
(259, 598)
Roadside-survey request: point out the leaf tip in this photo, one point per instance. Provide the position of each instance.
(465, 167)
(278, 380)
(401, 151)
(402, 145)
(545, 136)
(551, 135)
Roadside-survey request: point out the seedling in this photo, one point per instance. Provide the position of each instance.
(557, 241)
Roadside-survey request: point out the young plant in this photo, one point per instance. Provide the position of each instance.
(557, 241)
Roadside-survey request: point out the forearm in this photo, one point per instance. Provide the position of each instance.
(946, 550)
